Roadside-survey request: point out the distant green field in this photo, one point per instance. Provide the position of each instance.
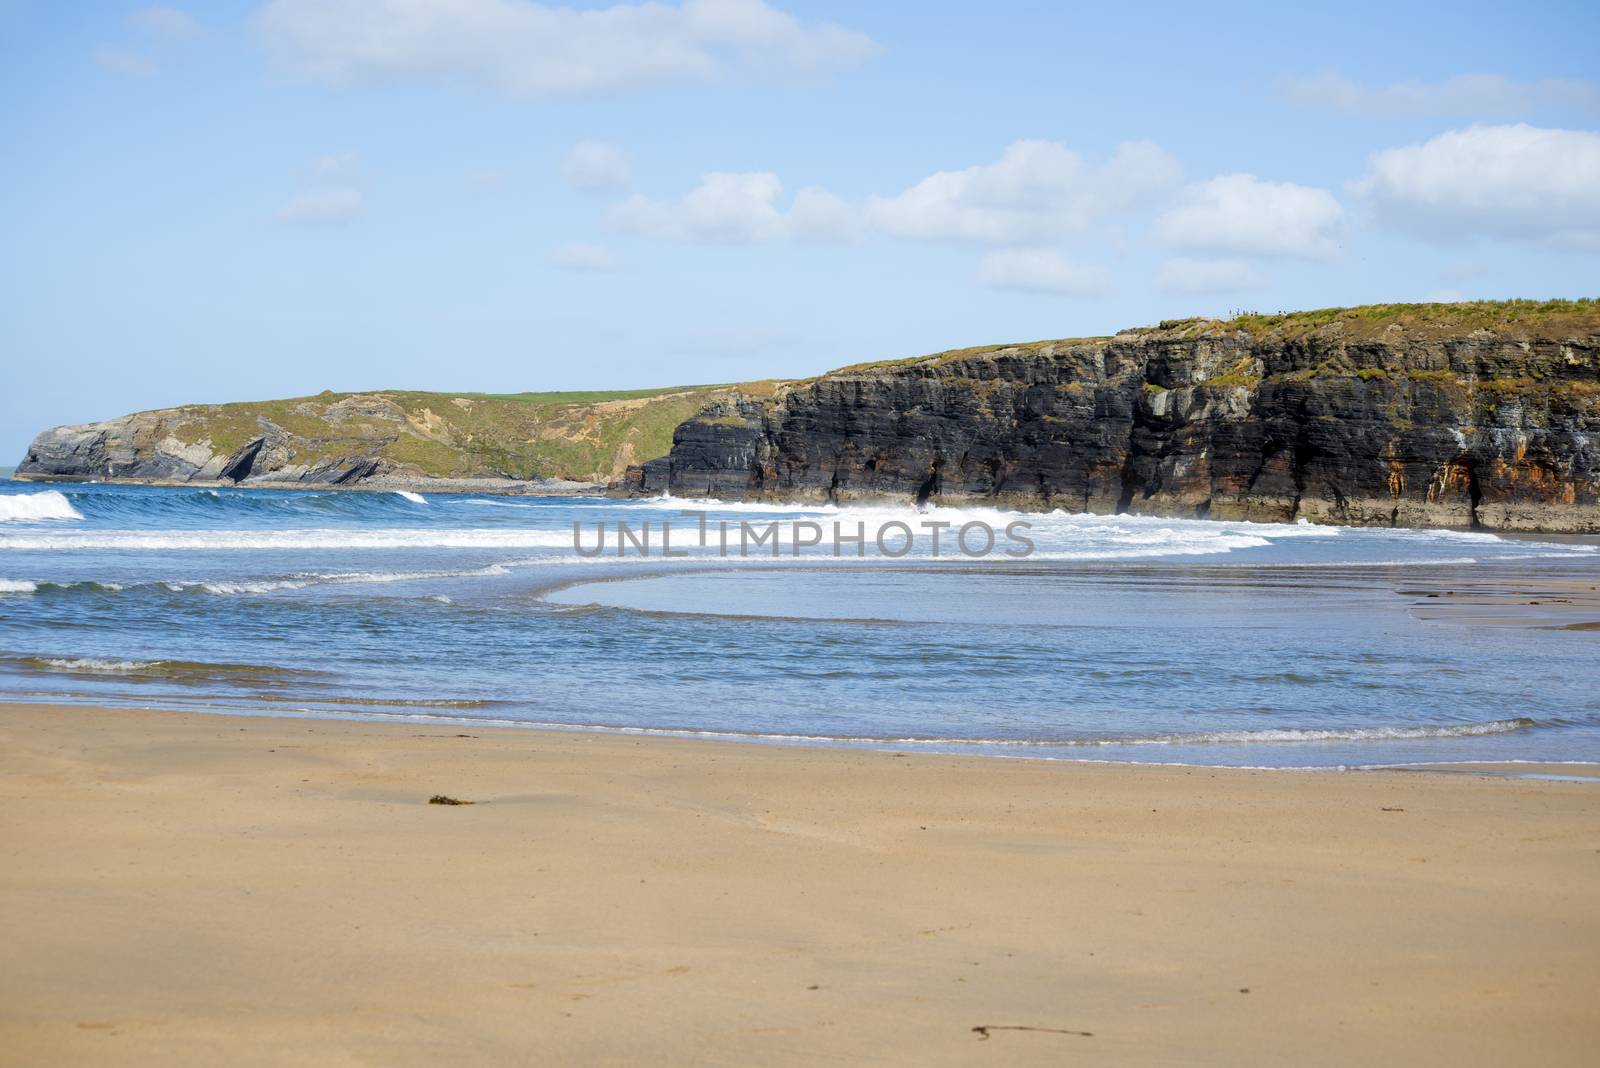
(587, 396)
(584, 435)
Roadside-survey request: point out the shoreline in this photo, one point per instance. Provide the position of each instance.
(954, 749)
(201, 887)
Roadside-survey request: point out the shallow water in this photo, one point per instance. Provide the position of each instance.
(1119, 638)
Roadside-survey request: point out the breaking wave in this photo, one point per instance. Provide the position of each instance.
(190, 671)
(269, 584)
(209, 540)
(95, 666)
(1282, 735)
(29, 507)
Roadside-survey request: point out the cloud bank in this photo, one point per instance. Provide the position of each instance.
(1518, 182)
(1241, 214)
(1036, 189)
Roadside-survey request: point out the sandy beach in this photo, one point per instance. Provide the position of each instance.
(193, 889)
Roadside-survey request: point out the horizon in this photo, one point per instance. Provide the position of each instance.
(238, 201)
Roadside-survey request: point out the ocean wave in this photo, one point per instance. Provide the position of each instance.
(303, 580)
(94, 666)
(255, 675)
(1279, 736)
(330, 538)
(30, 507)
(1247, 737)
(484, 502)
(414, 498)
(270, 586)
(266, 584)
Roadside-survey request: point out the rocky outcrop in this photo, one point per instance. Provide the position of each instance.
(528, 441)
(151, 447)
(1483, 415)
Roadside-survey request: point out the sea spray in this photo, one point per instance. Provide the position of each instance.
(30, 507)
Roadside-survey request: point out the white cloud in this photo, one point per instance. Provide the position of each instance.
(1517, 182)
(1183, 275)
(123, 61)
(819, 214)
(535, 49)
(1472, 95)
(736, 208)
(1243, 215)
(166, 22)
(594, 167)
(1041, 271)
(578, 256)
(1036, 189)
(323, 207)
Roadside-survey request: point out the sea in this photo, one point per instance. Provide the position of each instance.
(973, 631)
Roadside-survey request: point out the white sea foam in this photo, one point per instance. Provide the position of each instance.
(1353, 734)
(1280, 736)
(207, 540)
(28, 507)
(414, 498)
(305, 579)
(100, 667)
(238, 587)
(17, 586)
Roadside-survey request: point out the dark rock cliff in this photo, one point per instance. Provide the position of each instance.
(1484, 415)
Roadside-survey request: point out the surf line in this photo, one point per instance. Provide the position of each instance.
(974, 540)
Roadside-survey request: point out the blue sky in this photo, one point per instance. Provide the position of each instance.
(229, 201)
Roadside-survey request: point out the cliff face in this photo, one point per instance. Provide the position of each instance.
(1481, 415)
(351, 438)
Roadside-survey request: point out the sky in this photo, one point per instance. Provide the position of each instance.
(243, 200)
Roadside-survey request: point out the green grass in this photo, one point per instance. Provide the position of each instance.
(584, 435)
(1366, 320)
(585, 396)
(951, 355)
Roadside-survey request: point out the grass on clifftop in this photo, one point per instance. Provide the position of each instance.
(584, 435)
(585, 396)
(1581, 314)
(1369, 320)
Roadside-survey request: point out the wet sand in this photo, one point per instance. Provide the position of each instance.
(184, 889)
(1559, 603)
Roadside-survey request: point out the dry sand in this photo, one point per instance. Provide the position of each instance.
(187, 889)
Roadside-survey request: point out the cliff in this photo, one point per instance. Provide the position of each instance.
(1469, 415)
(387, 437)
